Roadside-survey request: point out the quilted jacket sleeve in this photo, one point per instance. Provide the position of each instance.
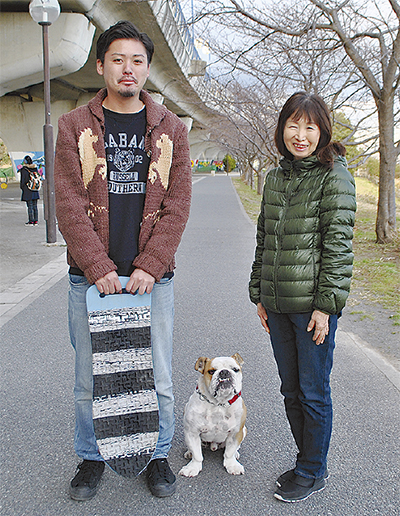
(337, 214)
(255, 276)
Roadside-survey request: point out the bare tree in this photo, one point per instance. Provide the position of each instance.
(246, 128)
(356, 55)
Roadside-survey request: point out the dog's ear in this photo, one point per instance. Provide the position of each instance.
(238, 359)
(200, 364)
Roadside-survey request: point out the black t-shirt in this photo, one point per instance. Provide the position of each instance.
(127, 168)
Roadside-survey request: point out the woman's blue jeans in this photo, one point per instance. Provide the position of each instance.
(304, 369)
(162, 319)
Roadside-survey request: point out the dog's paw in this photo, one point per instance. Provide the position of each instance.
(192, 469)
(233, 467)
(187, 454)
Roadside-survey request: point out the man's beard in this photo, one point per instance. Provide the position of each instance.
(126, 93)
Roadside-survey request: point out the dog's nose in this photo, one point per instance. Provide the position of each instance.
(224, 374)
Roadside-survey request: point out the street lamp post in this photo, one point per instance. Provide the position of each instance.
(46, 12)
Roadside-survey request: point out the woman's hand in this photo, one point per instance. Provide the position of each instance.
(320, 322)
(262, 314)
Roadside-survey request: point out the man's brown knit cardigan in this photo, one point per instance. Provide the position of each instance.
(82, 191)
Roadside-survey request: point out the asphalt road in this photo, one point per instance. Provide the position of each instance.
(213, 317)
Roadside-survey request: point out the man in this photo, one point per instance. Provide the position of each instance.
(123, 188)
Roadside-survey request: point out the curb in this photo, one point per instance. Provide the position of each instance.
(379, 361)
(14, 300)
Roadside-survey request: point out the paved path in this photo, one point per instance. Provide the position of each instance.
(213, 317)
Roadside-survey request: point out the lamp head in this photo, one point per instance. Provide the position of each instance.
(44, 12)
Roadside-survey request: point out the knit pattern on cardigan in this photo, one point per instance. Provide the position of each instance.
(82, 191)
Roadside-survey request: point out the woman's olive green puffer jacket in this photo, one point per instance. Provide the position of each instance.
(303, 259)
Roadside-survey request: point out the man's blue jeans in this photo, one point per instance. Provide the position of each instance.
(304, 369)
(162, 319)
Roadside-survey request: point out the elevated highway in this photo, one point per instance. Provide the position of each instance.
(177, 74)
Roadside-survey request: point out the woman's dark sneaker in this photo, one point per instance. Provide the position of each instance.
(288, 475)
(160, 479)
(85, 482)
(299, 488)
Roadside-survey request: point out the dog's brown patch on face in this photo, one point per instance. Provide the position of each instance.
(204, 366)
(238, 359)
(200, 364)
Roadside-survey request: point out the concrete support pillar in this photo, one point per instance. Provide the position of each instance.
(21, 122)
(157, 97)
(188, 121)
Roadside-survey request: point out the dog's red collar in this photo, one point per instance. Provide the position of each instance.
(231, 401)
(236, 396)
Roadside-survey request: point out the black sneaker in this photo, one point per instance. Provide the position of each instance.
(160, 479)
(299, 488)
(288, 475)
(84, 484)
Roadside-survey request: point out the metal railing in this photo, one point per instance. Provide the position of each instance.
(183, 28)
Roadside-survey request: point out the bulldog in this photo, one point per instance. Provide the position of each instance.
(215, 414)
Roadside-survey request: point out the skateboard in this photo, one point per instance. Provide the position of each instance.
(125, 405)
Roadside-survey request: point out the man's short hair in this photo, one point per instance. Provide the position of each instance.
(123, 30)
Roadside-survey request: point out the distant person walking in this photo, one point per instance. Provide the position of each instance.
(301, 275)
(29, 196)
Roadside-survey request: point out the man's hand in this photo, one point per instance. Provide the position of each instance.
(320, 321)
(262, 314)
(109, 284)
(141, 281)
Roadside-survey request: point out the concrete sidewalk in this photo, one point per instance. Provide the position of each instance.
(213, 316)
(28, 265)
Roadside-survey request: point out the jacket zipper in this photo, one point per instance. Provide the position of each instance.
(280, 238)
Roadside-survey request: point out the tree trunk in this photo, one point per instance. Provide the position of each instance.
(386, 215)
(248, 175)
(260, 182)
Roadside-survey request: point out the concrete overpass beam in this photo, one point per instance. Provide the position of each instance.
(71, 39)
(201, 147)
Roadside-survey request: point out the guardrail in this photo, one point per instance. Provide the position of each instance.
(187, 38)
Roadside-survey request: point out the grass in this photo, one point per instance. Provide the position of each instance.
(376, 274)
(250, 199)
(376, 266)
(6, 172)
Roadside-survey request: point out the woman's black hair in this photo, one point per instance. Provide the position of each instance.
(123, 30)
(28, 160)
(314, 110)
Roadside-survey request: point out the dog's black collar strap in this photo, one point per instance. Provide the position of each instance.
(230, 402)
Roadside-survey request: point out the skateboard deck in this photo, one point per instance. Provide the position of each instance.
(125, 406)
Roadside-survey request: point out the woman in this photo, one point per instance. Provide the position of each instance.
(29, 196)
(301, 275)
